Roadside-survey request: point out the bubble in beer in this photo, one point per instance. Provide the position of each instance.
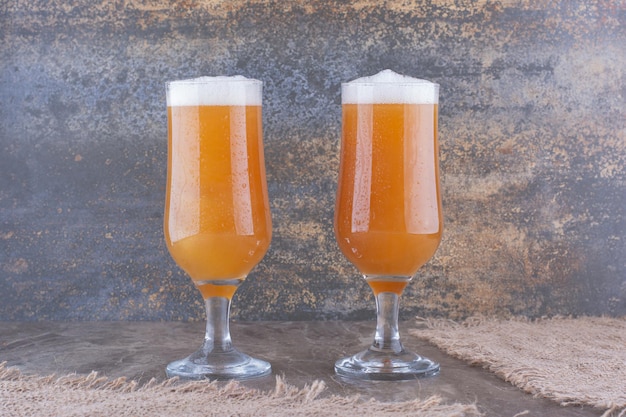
(234, 90)
(388, 87)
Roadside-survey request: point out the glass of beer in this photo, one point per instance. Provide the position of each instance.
(388, 219)
(217, 218)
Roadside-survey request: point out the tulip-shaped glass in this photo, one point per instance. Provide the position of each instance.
(388, 219)
(217, 218)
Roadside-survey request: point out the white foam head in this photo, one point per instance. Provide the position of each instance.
(215, 91)
(388, 87)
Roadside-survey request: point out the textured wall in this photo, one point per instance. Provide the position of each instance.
(532, 131)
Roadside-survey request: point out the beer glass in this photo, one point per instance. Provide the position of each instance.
(217, 219)
(388, 219)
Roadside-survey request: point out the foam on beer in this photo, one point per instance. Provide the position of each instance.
(389, 87)
(215, 91)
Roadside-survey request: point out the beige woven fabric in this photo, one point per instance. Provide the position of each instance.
(569, 360)
(91, 395)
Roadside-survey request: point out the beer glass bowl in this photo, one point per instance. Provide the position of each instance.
(388, 219)
(217, 221)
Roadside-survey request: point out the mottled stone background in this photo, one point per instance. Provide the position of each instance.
(532, 131)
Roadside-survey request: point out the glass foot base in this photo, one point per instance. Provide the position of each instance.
(387, 366)
(218, 366)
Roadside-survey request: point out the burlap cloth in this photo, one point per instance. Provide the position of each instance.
(91, 395)
(578, 361)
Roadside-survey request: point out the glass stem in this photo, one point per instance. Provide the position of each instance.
(387, 338)
(217, 336)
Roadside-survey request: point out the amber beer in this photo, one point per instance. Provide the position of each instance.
(217, 219)
(388, 218)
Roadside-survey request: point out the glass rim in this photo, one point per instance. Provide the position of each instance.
(214, 81)
(389, 83)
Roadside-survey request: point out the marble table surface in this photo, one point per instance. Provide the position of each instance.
(301, 352)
